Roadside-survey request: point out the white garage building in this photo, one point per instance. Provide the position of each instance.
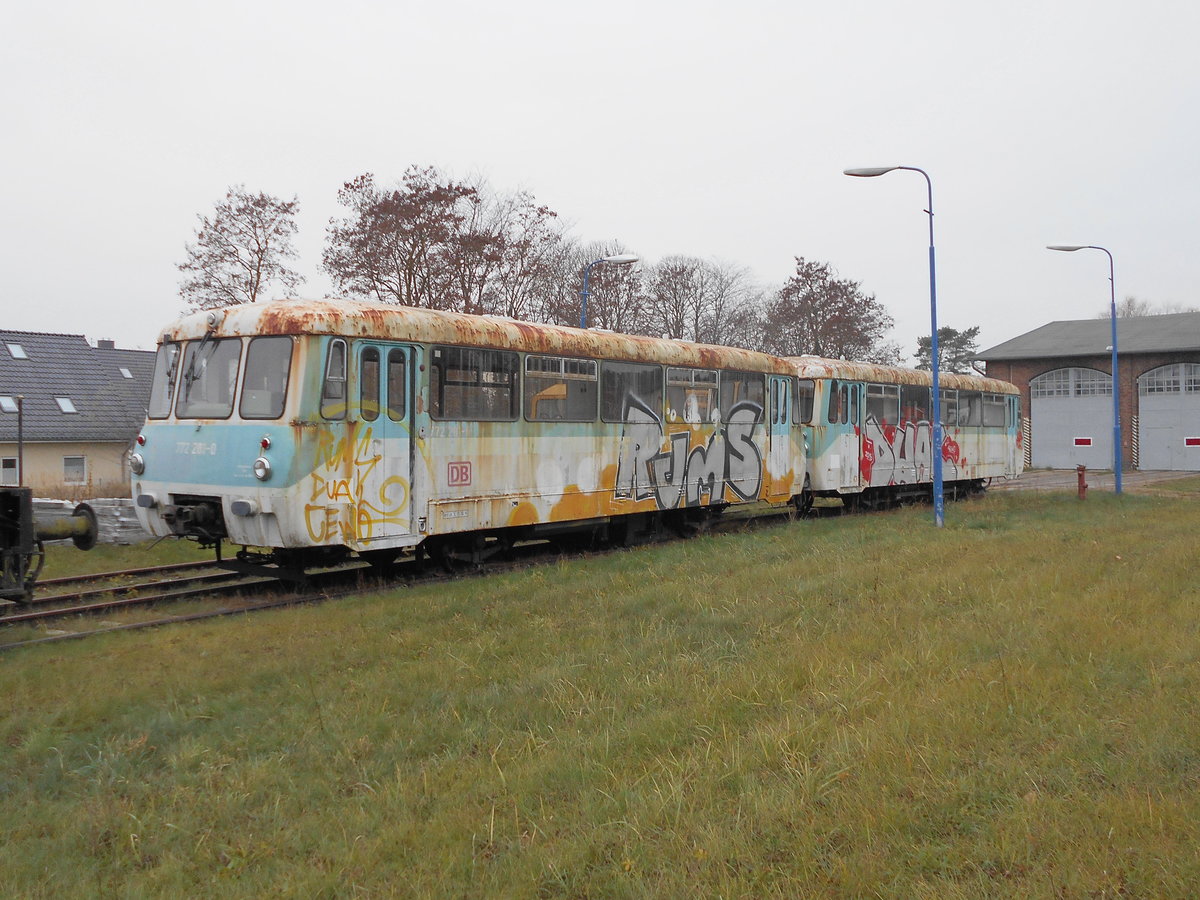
(1064, 372)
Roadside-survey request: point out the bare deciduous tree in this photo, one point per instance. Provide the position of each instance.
(817, 313)
(439, 243)
(695, 299)
(240, 251)
(533, 250)
(395, 245)
(1132, 307)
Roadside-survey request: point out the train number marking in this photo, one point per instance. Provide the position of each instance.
(458, 474)
(195, 448)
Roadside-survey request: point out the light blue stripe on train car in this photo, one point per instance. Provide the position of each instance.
(217, 454)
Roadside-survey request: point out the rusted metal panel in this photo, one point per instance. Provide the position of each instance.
(352, 319)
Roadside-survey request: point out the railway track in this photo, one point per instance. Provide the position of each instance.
(195, 591)
(216, 595)
(45, 584)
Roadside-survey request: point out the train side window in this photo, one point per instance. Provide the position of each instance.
(914, 403)
(691, 394)
(162, 387)
(397, 385)
(333, 391)
(264, 386)
(474, 385)
(778, 401)
(993, 411)
(621, 383)
(210, 370)
(949, 404)
(368, 384)
(560, 389)
(970, 408)
(803, 403)
(740, 387)
(883, 403)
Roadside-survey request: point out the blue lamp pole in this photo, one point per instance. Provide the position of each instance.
(939, 505)
(620, 259)
(1116, 391)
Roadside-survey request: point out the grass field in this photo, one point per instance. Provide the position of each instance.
(64, 559)
(852, 707)
(1180, 485)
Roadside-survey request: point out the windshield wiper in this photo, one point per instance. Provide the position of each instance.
(190, 377)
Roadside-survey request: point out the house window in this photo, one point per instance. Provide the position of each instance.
(8, 404)
(125, 373)
(1163, 380)
(8, 470)
(16, 351)
(65, 404)
(1072, 382)
(1052, 384)
(74, 469)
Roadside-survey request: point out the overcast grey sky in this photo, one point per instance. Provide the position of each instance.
(714, 130)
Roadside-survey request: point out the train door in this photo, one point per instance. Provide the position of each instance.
(846, 424)
(780, 466)
(383, 452)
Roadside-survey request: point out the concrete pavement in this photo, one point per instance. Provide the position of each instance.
(1097, 480)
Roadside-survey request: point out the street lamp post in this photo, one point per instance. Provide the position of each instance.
(620, 259)
(1116, 391)
(938, 497)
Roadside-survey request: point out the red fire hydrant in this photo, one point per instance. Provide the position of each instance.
(1081, 473)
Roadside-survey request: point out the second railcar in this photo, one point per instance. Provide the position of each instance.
(870, 433)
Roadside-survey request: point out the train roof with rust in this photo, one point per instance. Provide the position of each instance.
(358, 319)
(361, 319)
(819, 367)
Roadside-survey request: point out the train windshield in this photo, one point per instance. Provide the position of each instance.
(264, 386)
(162, 388)
(210, 370)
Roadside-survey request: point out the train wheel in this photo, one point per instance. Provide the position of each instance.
(688, 523)
(379, 559)
(802, 503)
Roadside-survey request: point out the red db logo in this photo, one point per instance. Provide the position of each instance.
(458, 474)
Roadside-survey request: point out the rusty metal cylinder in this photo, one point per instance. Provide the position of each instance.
(80, 527)
(1081, 475)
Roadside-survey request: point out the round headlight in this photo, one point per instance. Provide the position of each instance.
(137, 465)
(262, 468)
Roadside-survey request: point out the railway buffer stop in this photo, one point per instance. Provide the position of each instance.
(22, 533)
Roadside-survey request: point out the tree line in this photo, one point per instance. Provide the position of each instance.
(436, 242)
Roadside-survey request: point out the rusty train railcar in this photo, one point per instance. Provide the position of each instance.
(306, 430)
(870, 434)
